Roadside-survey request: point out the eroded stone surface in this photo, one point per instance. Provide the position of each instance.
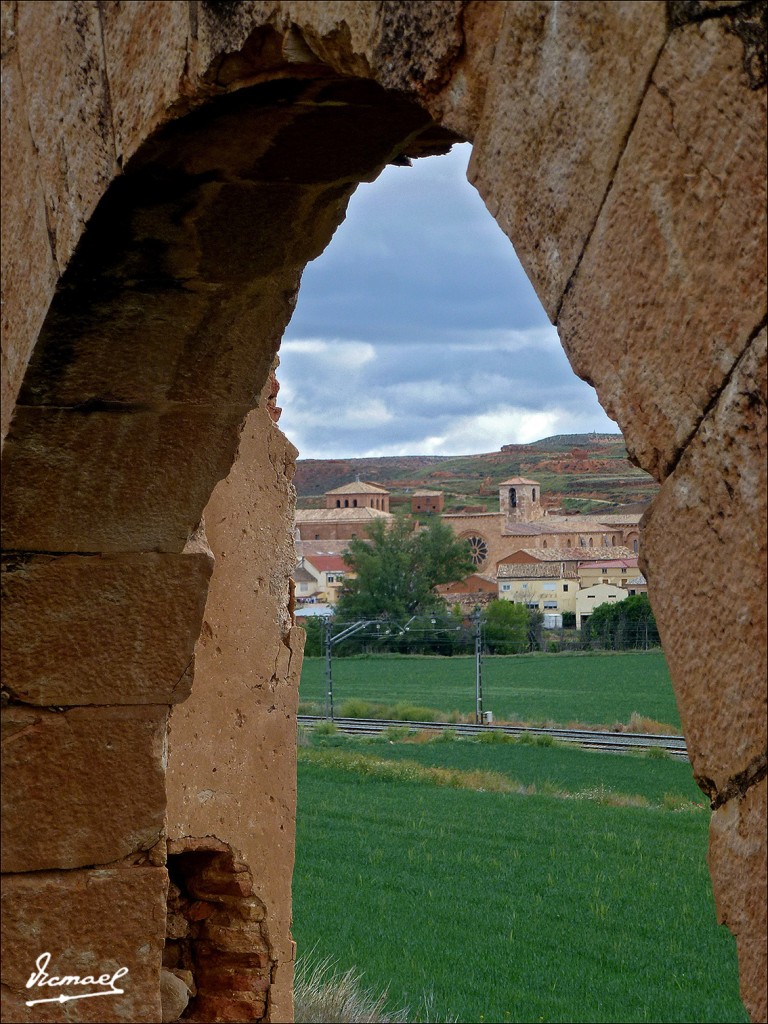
(29, 269)
(231, 759)
(146, 48)
(102, 630)
(81, 787)
(737, 861)
(61, 55)
(111, 481)
(91, 922)
(711, 512)
(674, 278)
(549, 59)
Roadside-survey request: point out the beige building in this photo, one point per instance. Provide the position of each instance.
(336, 523)
(522, 523)
(615, 571)
(358, 494)
(545, 586)
(427, 501)
(592, 597)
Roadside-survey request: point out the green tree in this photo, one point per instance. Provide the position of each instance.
(624, 624)
(397, 571)
(507, 627)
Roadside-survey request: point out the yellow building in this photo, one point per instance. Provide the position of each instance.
(617, 572)
(592, 597)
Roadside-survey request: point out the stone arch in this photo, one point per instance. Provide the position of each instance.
(107, 469)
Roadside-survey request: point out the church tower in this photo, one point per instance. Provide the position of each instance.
(520, 500)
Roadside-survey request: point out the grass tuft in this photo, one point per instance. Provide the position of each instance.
(324, 995)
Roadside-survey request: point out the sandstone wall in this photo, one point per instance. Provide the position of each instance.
(209, 149)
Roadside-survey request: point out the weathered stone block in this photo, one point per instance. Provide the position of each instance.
(91, 922)
(711, 513)
(86, 786)
(570, 79)
(61, 55)
(112, 629)
(147, 50)
(674, 278)
(737, 861)
(29, 270)
(112, 481)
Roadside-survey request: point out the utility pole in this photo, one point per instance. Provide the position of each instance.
(328, 670)
(478, 668)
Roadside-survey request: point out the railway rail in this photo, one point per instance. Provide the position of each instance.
(591, 739)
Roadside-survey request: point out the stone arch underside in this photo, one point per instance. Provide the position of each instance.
(132, 368)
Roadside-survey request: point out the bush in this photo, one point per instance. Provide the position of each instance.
(495, 736)
(326, 729)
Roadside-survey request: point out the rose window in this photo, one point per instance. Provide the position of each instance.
(478, 549)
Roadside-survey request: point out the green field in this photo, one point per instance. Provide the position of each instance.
(596, 689)
(550, 906)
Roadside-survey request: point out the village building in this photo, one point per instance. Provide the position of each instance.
(475, 591)
(337, 523)
(523, 523)
(431, 502)
(358, 494)
(592, 597)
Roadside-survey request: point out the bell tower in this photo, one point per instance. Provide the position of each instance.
(520, 499)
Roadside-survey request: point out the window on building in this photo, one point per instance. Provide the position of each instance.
(346, 503)
(604, 572)
(338, 503)
(565, 588)
(549, 586)
(550, 604)
(634, 546)
(512, 497)
(354, 503)
(590, 542)
(544, 544)
(533, 494)
(506, 586)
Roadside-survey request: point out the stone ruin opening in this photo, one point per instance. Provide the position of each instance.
(217, 960)
(159, 342)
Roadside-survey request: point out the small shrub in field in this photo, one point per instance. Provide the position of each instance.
(324, 995)
(445, 736)
(639, 723)
(657, 753)
(308, 708)
(495, 736)
(405, 712)
(326, 729)
(534, 740)
(397, 733)
(357, 708)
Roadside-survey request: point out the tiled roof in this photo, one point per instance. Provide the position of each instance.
(534, 571)
(610, 563)
(300, 575)
(571, 554)
(519, 480)
(335, 515)
(426, 494)
(514, 529)
(328, 563)
(359, 487)
(308, 548)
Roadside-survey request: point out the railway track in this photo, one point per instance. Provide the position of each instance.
(590, 739)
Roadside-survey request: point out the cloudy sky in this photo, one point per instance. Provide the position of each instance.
(417, 332)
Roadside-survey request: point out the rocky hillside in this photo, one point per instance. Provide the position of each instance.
(577, 472)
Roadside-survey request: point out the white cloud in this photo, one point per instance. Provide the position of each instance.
(351, 355)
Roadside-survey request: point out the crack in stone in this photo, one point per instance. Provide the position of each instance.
(715, 399)
(612, 178)
(738, 784)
